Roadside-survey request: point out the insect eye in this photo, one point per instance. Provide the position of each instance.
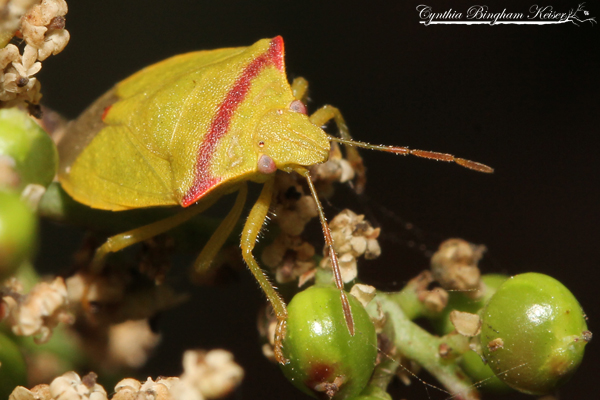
(298, 106)
(266, 165)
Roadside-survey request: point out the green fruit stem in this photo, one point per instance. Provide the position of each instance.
(409, 302)
(383, 374)
(417, 344)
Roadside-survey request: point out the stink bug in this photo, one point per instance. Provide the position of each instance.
(194, 127)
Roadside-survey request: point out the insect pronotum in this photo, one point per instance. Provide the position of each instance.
(187, 130)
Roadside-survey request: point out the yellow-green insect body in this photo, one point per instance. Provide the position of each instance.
(196, 126)
(187, 126)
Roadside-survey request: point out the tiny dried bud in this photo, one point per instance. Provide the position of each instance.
(22, 81)
(586, 335)
(444, 350)
(89, 380)
(364, 293)
(127, 389)
(39, 392)
(434, 300)
(495, 344)
(57, 23)
(373, 249)
(466, 324)
(8, 55)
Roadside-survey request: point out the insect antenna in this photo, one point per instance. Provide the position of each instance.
(335, 265)
(403, 151)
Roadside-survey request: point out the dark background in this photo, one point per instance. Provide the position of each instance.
(519, 98)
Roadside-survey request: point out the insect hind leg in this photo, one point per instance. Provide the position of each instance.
(137, 235)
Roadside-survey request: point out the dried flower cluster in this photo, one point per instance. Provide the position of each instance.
(130, 343)
(454, 266)
(336, 169)
(10, 15)
(207, 375)
(352, 237)
(120, 296)
(132, 389)
(41, 26)
(289, 256)
(434, 300)
(38, 312)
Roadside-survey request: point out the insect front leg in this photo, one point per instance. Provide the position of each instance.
(300, 89)
(324, 115)
(252, 228)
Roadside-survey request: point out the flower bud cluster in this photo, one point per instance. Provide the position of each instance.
(207, 375)
(42, 28)
(38, 312)
(352, 237)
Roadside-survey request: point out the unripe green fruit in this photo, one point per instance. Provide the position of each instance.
(18, 227)
(322, 355)
(481, 373)
(462, 302)
(533, 333)
(471, 362)
(29, 146)
(13, 371)
(373, 393)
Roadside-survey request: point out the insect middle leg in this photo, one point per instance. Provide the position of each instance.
(211, 248)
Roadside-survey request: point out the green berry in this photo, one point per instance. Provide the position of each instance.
(373, 393)
(324, 360)
(29, 147)
(461, 302)
(471, 362)
(534, 333)
(13, 371)
(481, 373)
(18, 227)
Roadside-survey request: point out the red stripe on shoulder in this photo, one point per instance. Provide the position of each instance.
(276, 51)
(203, 179)
(105, 112)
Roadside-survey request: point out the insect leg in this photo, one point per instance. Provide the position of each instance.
(126, 239)
(254, 224)
(300, 89)
(218, 238)
(324, 115)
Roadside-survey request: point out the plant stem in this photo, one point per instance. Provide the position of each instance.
(418, 345)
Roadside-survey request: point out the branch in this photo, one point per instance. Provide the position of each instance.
(417, 344)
